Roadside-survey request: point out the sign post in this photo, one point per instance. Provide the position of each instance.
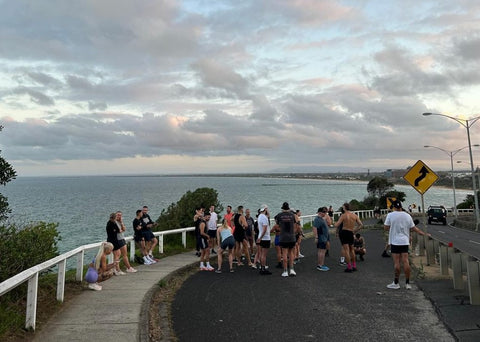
(421, 178)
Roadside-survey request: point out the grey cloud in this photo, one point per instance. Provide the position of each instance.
(97, 105)
(44, 79)
(35, 96)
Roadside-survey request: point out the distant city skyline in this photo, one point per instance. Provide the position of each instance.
(176, 87)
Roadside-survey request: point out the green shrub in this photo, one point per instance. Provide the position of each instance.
(25, 247)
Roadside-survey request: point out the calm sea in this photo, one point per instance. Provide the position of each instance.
(81, 205)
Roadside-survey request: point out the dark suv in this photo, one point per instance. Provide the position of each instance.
(437, 213)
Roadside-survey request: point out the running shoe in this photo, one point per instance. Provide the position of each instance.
(354, 269)
(343, 263)
(231, 270)
(285, 274)
(393, 286)
(152, 260)
(95, 287)
(408, 286)
(265, 272)
(131, 270)
(323, 268)
(203, 268)
(146, 261)
(253, 266)
(300, 255)
(348, 270)
(292, 273)
(210, 268)
(117, 273)
(218, 271)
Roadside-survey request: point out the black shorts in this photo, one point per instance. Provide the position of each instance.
(239, 234)
(117, 244)
(398, 249)
(202, 243)
(346, 237)
(264, 243)
(138, 237)
(288, 245)
(148, 235)
(212, 233)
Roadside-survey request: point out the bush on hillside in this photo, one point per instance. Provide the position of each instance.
(25, 247)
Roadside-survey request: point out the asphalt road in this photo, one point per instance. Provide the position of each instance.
(314, 305)
(465, 240)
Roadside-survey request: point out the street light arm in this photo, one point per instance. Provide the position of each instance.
(450, 117)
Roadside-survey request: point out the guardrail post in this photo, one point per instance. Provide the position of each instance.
(80, 258)
(61, 280)
(184, 239)
(421, 245)
(132, 250)
(430, 253)
(450, 252)
(473, 279)
(32, 302)
(160, 243)
(458, 283)
(443, 260)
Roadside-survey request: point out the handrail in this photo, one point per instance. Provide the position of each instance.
(31, 275)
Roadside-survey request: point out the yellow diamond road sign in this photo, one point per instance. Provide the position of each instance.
(421, 177)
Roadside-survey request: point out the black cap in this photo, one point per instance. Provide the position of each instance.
(285, 206)
(397, 204)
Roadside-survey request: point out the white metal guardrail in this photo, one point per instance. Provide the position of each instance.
(31, 275)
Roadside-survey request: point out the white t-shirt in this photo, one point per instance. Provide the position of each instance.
(400, 224)
(212, 223)
(263, 221)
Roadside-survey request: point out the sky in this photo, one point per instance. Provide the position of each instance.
(174, 87)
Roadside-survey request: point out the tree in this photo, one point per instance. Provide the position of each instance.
(180, 214)
(7, 173)
(379, 186)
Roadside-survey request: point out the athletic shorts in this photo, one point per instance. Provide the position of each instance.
(117, 244)
(321, 245)
(277, 240)
(346, 237)
(138, 237)
(398, 249)
(148, 235)
(229, 243)
(239, 234)
(264, 243)
(202, 243)
(288, 245)
(212, 233)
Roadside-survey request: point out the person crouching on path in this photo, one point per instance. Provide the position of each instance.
(100, 270)
(399, 224)
(225, 240)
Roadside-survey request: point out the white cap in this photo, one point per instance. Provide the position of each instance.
(263, 207)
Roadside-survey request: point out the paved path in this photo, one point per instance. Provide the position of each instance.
(244, 306)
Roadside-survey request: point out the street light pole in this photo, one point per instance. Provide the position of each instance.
(451, 154)
(467, 124)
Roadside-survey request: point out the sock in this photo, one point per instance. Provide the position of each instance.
(396, 281)
(201, 264)
(349, 266)
(342, 259)
(208, 264)
(354, 264)
(407, 281)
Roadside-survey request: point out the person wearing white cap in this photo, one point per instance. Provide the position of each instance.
(263, 239)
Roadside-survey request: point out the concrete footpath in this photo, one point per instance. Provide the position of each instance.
(244, 306)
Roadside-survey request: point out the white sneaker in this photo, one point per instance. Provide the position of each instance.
(146, 261)
(300, 255)
(94, 286)
(131, 270)
(285, 274)
(210, 268)
(292, 273)
(152, 260)
(119, 272)
(393, 286)
(408, 286)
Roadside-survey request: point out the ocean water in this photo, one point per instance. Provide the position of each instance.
(82, 205)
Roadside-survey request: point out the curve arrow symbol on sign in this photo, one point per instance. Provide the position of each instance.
(423, 174)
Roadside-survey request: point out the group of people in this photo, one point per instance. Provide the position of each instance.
(100, 269)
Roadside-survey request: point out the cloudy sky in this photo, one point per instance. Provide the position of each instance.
(122, 87)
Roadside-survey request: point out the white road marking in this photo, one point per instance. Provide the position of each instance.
(478, 243)
(441, 231)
